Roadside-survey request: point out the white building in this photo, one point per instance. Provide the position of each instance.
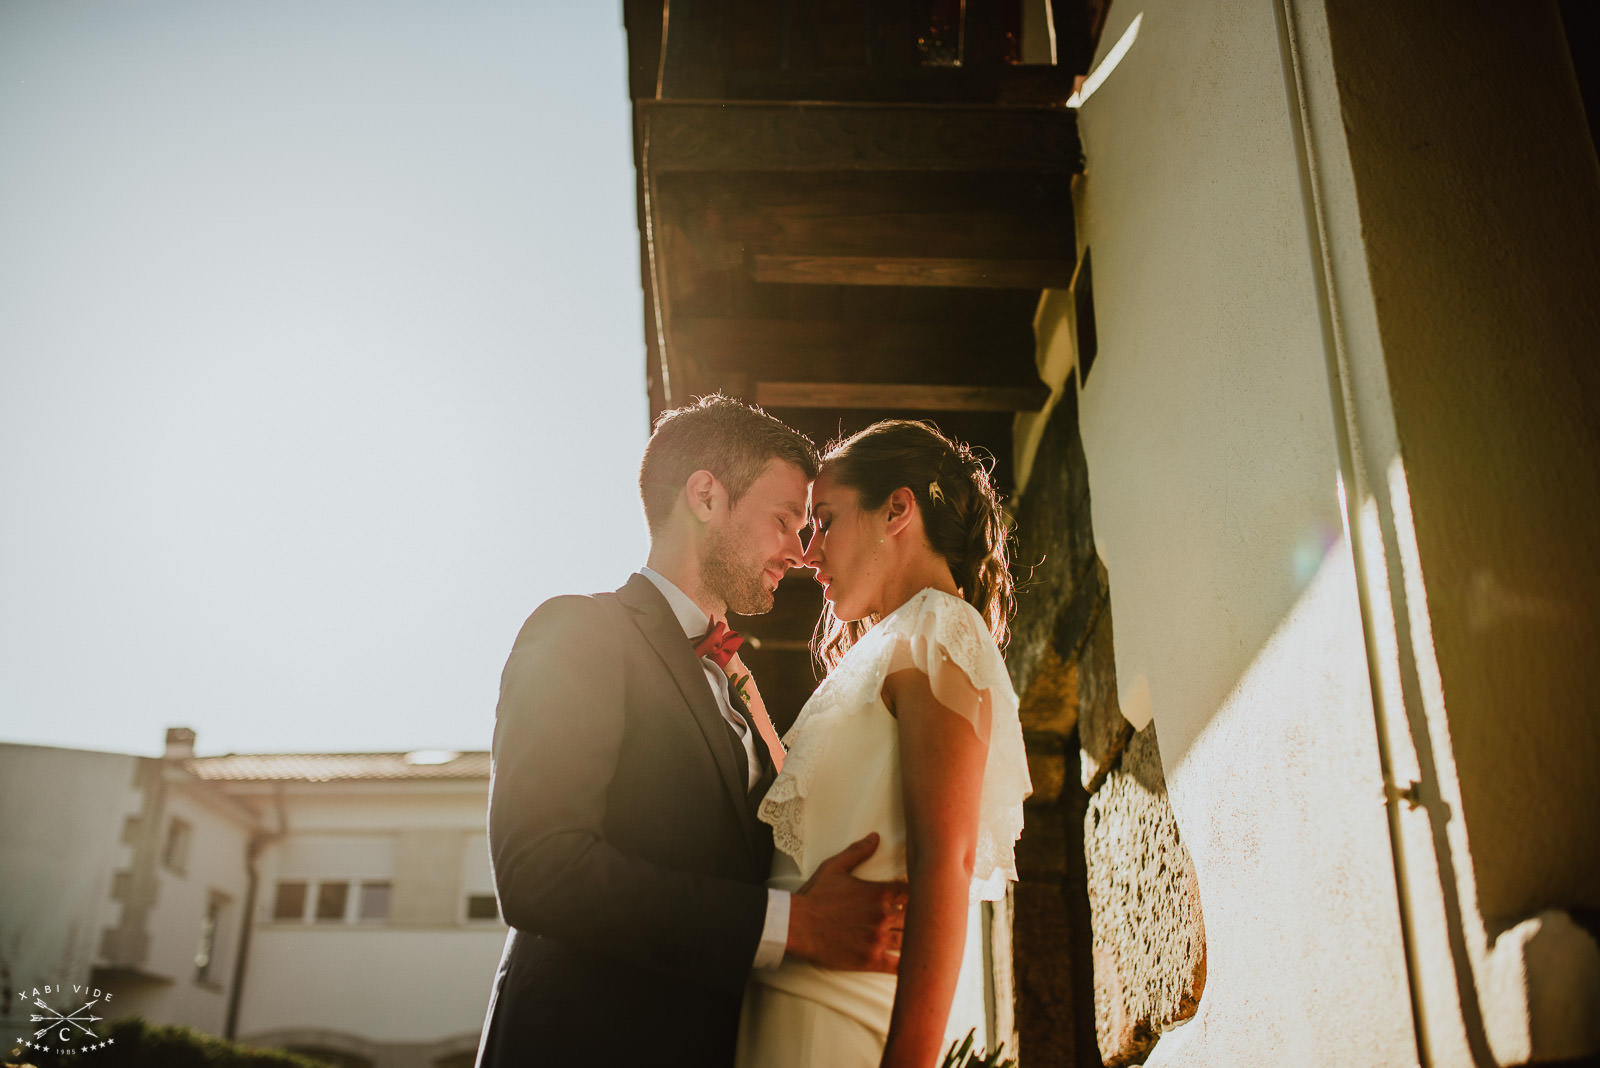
(336, 904)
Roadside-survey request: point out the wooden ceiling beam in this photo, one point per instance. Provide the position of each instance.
(721, 237)
(738, 296)
(718, 135)
(890, 351)
(902, 396)
(954, 230)
(1019, 84)
(912, 271)
(988, 430)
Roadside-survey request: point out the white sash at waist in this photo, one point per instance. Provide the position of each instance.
(866, 997)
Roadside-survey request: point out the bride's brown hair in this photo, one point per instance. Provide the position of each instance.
(963, 520)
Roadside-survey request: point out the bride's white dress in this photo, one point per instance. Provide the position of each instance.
(841, 781)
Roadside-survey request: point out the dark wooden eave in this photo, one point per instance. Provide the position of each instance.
(847, 212)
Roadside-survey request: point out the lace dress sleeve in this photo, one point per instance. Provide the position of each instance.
(948, 641)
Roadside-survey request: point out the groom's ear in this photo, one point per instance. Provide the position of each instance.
(701, 492)
(902, 506)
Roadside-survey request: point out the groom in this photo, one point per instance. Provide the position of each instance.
(627, 854)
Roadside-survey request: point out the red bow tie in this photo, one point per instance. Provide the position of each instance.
(720, 643)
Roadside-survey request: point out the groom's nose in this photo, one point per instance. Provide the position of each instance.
(794, 550)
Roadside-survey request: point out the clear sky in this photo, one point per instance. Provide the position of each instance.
(321, 362)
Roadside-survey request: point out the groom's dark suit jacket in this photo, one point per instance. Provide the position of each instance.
(627, 855)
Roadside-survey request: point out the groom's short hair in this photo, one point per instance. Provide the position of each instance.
(731, 439)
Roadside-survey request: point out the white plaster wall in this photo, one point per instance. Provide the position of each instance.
(61, 818)
(335, 855)
(1304, 959)
(1480, 205)
(1213, 468)
(216, 865)
(349, 831)
(1477, 203)
(381, 984)
(477, 874)
(376, 806)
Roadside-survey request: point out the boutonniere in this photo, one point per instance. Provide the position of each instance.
(720, 643)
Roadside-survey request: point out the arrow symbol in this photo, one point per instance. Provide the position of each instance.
(56, 1017)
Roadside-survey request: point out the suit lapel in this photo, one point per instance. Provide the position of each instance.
(654, 618)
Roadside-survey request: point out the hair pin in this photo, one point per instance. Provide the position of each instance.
(934, 492)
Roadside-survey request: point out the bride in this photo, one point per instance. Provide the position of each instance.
(913, 735)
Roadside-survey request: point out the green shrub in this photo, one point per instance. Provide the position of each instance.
(137, 1044)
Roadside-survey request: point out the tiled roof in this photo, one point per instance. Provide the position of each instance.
(340, 767)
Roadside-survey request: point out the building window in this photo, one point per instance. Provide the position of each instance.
(175, 853)
(290, 903)
(332, 898)
(482, 907)
(374, 902)
(332, 901)
(206, 966)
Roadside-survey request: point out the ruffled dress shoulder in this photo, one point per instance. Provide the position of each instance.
(841, 779)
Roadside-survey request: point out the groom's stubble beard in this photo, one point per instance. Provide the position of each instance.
(727, 571)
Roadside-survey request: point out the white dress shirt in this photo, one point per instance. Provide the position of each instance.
(775, 931)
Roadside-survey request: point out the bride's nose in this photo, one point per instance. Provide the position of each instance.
(813, 554)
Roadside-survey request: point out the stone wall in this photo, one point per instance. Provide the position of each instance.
(1109, 939)
(1149, 937)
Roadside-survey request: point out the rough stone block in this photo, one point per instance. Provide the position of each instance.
(1053, 533)
(1078, 615)
(1042, 849)
(1051, 703)
(1141, 758)
(1078, 539)
(1042, 935)
(1102, 730)
(1047, 767)
(1144, 903)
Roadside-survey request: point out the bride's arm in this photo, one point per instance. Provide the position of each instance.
(942, 760)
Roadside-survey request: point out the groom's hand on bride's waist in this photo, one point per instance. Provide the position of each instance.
(839, 921)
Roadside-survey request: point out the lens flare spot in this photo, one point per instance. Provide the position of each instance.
(1308, 553)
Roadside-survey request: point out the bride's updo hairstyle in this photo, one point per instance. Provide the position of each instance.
(962, 519)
